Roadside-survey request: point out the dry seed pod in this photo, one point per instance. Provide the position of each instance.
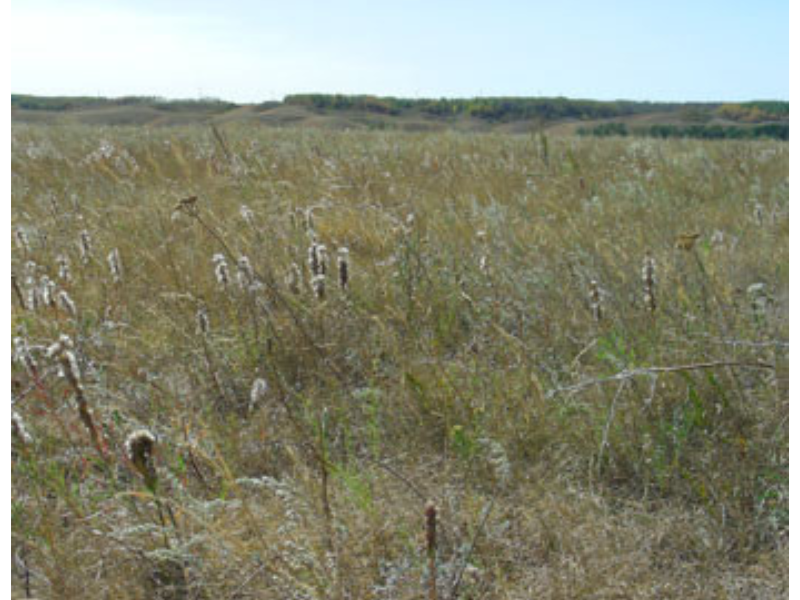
(343, 263)
(649, 281)
(140, 448)
(595, 300)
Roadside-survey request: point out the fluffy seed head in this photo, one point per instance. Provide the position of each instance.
(139, 448)
(115, 265)
(221, 271)
(66, 304)
(247, 214)
(258, 392)
(85, 245)
(293, 279)
(244, 274)
(318, 285)
(18, 430)
(649, 281)
(203, 325)
(64, 272)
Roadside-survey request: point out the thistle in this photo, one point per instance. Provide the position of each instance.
(595, 300)
(313, 260)
(66, 304)
(64, 272)
(293, 279)
(258, 392)
(221, 271)
(18, 430)
(318, 285)
(343, 263)
(47, 291)
(245, 275)
(322, 257)
(22, 355)
(649, 281)
(22, 240)
(18, 292)
(247, 214)
(85, 245)
(63, 351)
(115, 265)
(203, 325)
(140, 449)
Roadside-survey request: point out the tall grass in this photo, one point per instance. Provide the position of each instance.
(522, 336)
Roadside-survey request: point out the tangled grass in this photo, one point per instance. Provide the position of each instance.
(576, 349)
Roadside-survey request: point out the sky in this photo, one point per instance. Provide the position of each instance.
(256, 50)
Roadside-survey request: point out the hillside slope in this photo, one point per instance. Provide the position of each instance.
(506, 115)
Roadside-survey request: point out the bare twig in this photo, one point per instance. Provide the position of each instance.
(649, 371)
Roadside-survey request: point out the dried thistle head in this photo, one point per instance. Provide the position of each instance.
(293, 279)
(247, 214)
(203, 325)
(47, 291)
(64, 272)
(343, 264)
(595, 300)
(22, 240)
(22, 355)
(221, 271)
(18, 430)
(66, 304)
(313, 260)
(115, 265)
(258, 392)
(85, 246)
(245, 274)
(649, 282)
(140, 449)
(318, 285)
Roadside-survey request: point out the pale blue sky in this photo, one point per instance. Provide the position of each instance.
(251, 50)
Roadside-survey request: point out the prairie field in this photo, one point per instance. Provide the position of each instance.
(256, 363)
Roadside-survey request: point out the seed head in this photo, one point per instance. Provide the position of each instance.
(293, 279)
(246, 214)
(22, 355)
(649, 281)
(258, 392)
(85, 245)
(595, 300)
(318, 285)
(64, 272)
(343, 263)
(22, 240)
(221, 271)
(47, 290)
(66, 304)
(115, 265)
(203, 325)
(18, 430)
(139, 448)
(244, 274)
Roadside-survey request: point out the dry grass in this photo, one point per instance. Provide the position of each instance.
(571, 452)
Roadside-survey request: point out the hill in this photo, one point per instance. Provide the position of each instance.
(506, 115)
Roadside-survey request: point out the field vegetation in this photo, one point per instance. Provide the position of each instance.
(291, 363)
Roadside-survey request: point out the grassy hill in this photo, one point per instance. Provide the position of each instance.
(339, 112)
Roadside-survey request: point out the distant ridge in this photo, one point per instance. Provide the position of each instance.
(337, 111)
